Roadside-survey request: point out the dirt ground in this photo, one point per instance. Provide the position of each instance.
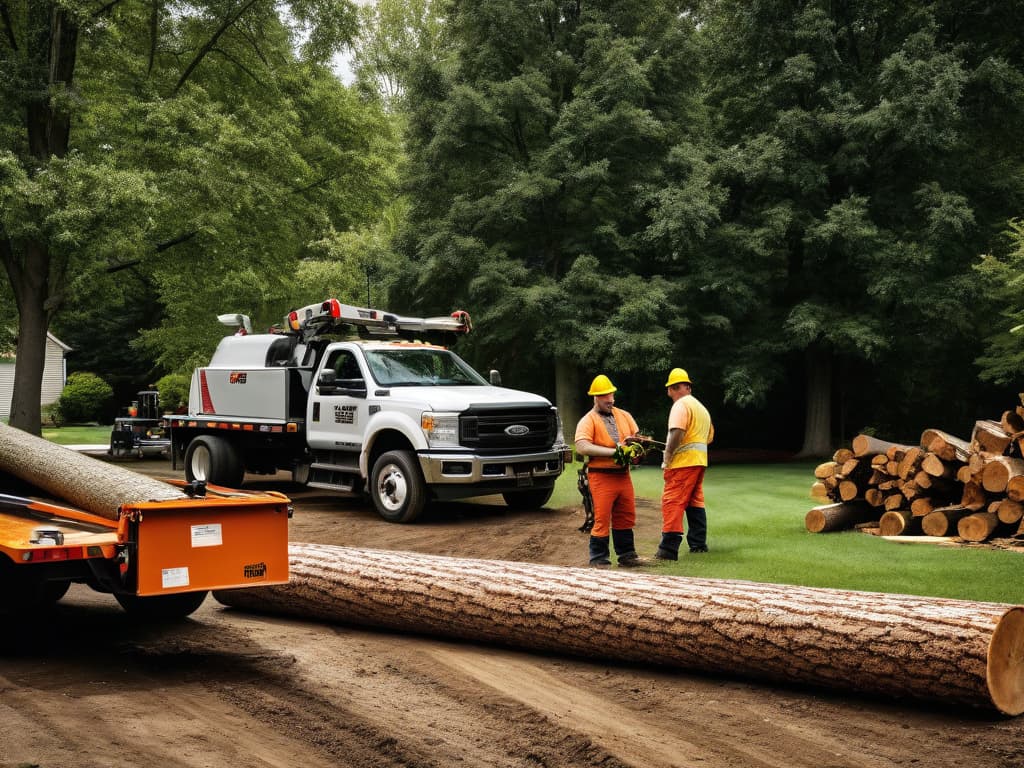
(91, 688)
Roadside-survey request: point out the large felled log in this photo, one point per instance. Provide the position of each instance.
(838, 517)
(85, 482)
(953, 651)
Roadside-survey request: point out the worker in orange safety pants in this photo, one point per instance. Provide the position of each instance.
(686, 459)
(603, 434)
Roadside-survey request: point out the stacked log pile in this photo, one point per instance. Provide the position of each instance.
(944, 486)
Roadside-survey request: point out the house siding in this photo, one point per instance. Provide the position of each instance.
(53, 377)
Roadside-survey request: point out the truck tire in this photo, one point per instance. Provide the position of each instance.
(26, 594)
(535, 498)
(162, 607)
(213, 460)
(397, 488)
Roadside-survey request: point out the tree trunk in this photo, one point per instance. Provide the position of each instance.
(90, 484)
(930, 648)
(30, 288)
(36, 277)
(567, 396)
(818, 414)
(838, 517)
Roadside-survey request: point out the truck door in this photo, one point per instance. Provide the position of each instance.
(337, 410)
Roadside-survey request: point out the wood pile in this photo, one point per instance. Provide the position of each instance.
(944, 486)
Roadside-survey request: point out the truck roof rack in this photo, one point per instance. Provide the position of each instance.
(331, 316)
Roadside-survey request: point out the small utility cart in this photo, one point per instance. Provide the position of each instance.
(143, 432)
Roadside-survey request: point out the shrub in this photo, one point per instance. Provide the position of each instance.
(51, 415)
(85, 398)
(173, 389)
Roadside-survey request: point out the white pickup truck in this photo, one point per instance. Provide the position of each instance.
(404, 420)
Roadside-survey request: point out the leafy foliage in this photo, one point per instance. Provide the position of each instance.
(86, 397)
(545, 142)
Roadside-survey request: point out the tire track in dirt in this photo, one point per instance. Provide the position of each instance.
(373, 699)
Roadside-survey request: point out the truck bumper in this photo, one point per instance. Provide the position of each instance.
(519, 471)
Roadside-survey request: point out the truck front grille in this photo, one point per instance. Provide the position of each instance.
(508, 429)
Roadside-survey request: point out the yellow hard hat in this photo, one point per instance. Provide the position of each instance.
(678, 376)
(601, 385)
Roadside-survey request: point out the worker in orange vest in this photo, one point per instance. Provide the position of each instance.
(604, 434)
(686, 459)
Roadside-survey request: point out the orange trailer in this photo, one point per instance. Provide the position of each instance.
(159, 559)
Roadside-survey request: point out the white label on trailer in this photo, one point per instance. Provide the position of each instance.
(207, 535)
(174, 577)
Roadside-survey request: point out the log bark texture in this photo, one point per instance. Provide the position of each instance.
(90, 484)
(934, 649)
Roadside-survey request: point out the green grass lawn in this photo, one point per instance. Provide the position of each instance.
(756, 532)
(86, 435)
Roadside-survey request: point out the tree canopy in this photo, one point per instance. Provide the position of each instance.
(201, 151)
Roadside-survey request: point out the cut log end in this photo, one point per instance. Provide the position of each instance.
(1005, 670)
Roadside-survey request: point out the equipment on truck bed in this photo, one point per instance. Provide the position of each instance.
(143, 431)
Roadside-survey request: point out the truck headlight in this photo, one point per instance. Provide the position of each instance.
(440, 429)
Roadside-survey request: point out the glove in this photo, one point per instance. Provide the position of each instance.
(628, 454)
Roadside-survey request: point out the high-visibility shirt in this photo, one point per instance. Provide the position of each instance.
(689, 415)
(592, 427)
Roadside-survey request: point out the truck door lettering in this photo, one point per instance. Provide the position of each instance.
(237, 377)
(344, 414)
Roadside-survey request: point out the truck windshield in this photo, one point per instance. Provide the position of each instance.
(420, 368)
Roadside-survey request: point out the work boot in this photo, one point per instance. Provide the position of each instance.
(669, 547)
(599, 551)
(622, 540)
(697, 529)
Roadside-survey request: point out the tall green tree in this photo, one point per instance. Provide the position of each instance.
(1003, 357)
(206, 143)
(869, 153)
(539, 134)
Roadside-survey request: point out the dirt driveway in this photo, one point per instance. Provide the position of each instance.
(227, 689)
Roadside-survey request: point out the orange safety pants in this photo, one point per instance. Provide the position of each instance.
(684, 487)
(614, 502)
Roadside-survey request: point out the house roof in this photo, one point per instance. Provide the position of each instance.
(50, 337)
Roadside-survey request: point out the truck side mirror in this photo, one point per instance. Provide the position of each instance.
(495, 377)
(326, 381)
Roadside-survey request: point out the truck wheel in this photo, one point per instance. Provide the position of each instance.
(24, 592)
(213, 460)
(535, 498)
(397, 487)
(162, 607)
